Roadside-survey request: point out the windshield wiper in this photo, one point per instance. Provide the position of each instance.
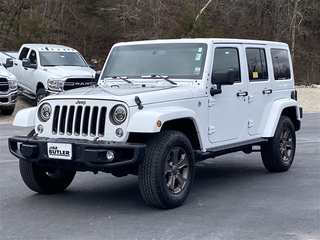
(119, 77)
(162, 77)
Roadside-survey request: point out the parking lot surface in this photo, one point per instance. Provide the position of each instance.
(233, 197)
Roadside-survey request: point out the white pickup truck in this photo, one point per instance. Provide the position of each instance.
(42, 69)
(159, 107)
(8, 89)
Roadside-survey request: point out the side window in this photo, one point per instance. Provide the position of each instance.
(227, 58)
(281, 65)
(33, 57)
(24, 53)
(257, 65)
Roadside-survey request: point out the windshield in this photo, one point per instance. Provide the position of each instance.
(174, 60)
(61, 59)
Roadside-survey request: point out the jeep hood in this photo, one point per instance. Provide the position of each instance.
(147, 93)
(60, 72)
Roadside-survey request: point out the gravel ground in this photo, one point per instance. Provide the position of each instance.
(308, 98)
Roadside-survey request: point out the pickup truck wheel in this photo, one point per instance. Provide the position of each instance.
(7, 111)
(41, 93)
(278, 154)
(42, 180)
(166, 175)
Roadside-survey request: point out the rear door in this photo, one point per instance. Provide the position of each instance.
(260, 93)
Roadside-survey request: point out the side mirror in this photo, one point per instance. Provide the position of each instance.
(9, 63)
(27, 64)
(221, 77)
(94, 63)
(97, 76)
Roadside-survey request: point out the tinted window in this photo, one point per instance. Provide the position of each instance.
(227, 58)
(33, 57)
(23, 53)
(257, 65)
(281, 65)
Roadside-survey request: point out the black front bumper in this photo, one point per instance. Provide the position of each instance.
(86, 155)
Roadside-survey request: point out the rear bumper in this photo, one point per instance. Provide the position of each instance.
(86, 155)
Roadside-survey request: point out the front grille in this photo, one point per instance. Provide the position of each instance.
(79, 120)
(72, 83)
(4, 86)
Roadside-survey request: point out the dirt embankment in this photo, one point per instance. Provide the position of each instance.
(308, 98)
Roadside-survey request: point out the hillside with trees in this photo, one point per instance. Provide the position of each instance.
(93, 26)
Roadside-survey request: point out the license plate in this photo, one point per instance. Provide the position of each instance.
(60, 151)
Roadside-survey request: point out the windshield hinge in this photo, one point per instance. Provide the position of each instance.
(211, 102)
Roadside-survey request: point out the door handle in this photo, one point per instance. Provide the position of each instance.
(242, 94)
(16, 64)
(267, 91)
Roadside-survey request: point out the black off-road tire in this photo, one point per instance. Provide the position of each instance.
(278, 153)
(166, 175)
(46, 181)
(41, 93)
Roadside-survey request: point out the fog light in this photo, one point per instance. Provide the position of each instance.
(40, 128)
(110, 156)
(119, 132)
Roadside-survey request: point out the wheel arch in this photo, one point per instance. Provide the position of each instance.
(284, 107)
(143, 124)
(40, 85)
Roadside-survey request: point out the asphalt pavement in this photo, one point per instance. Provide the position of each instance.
(233, 197)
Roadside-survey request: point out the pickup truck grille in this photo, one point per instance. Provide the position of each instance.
(79, 120)
(4, 86)
(72, 83)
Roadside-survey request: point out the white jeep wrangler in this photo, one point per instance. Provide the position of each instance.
(159, 107)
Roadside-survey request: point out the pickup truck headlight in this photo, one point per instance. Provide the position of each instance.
(13, 84)
(55, 84)
(118, 114)
(44, 112)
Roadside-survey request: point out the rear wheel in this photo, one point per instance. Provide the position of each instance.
(278, 153)
(166, 175)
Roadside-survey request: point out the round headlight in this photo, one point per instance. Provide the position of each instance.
(44, 112)
(118, 114)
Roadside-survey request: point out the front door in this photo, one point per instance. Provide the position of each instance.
(228, 111)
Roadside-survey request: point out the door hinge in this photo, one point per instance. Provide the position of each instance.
(211, 102)
(211, 130)
(250, 123)
(250, 98)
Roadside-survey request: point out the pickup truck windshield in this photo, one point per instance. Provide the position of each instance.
(175, 60)
(61, 59)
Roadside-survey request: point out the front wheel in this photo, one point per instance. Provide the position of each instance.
(278, 153)
(42, 180)
(167, 173)
(41, 93)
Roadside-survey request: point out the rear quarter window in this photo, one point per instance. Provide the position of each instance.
(281, 65)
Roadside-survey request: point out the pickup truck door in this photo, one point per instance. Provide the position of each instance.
(228, 110)
(25, 76)
(260, 94)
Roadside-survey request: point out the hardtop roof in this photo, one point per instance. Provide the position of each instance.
(206, 40)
